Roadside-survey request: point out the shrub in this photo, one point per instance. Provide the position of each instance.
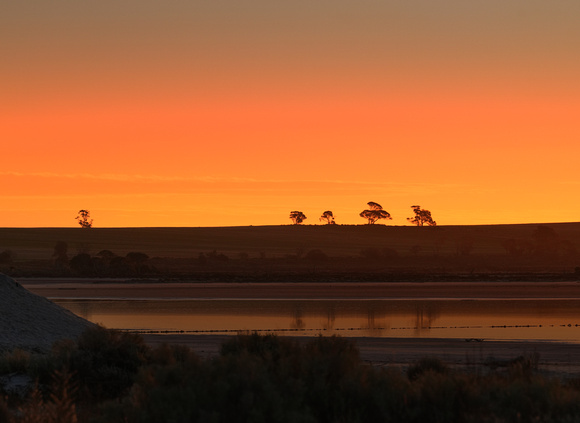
(82, 264)
(13, 361)
(426, 364)
(267, 347)
(266, 378)
(104, 362)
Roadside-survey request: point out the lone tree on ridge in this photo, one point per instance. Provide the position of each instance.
(422, 217)
(297, 217)
(83, 218)
(327, 217)
(374, 213)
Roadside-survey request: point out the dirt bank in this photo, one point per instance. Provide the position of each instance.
(31, 322)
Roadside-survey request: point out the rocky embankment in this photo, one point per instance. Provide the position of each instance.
(31, 322)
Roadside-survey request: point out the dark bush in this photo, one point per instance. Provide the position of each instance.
(106, 254)
(269, 347)
(104, 361)
(137, 258)
(167, 354)
(15, 361)
(426, 364)
(119, 266)
(82, 264)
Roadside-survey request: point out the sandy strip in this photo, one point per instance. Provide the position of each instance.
(555, 358)
(95, 288)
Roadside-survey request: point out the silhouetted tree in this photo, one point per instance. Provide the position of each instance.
(422, 217)
(374, 213)
(327, 217)
(60, 254)
(119, 266)
(297, 217)
(82, 263)
(137, 257)
(106, 256)
(83, 218)
(137, 260)
(545, 242)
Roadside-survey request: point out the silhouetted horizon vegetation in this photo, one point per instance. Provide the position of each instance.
(84, 219)
(373, 214)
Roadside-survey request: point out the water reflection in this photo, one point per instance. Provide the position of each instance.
(490, 319)
(297, 321)
(425, 318)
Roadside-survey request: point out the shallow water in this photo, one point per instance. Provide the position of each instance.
(526, 319)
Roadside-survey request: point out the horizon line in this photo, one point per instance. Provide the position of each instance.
(289, 225)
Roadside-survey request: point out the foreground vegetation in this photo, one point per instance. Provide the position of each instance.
(110, 376)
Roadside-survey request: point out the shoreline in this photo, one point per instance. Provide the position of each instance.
(387, 275)
(93, 288)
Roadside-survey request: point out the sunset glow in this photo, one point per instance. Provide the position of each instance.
(235, 113)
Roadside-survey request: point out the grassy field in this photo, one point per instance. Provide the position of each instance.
(335, 240)
(472, 248)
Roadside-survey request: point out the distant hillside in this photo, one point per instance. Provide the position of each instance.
(278, 241)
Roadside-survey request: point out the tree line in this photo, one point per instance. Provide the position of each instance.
(374, 213)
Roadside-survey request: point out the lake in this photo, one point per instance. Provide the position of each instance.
(498, 319)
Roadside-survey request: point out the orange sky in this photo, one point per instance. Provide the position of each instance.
(194, 113)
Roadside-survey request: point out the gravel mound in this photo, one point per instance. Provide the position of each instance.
(31, 322)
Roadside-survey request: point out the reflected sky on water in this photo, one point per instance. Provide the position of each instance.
(487, 319)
